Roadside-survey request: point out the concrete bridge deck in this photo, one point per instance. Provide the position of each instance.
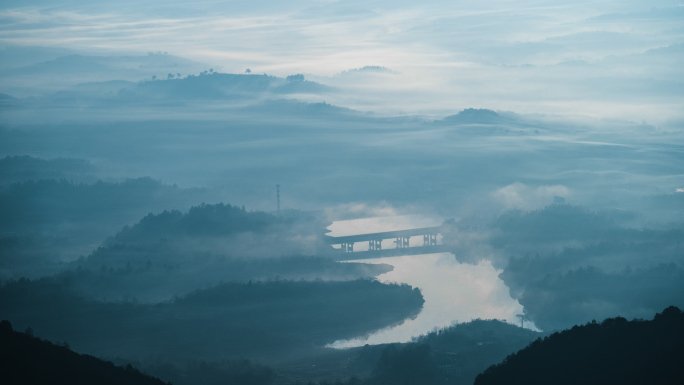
(385, 253)
(401, 239)
(384, 235)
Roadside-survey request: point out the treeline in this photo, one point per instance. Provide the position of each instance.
(260, 319)
(214, 229)
(172, 253)
(129, 273)
(615, 351)
(203, 220)
(210, 85)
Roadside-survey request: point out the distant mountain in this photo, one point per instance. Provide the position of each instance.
(473, 115)
(615, 351)
(205, 87)
(366, 70)
(214, 85)
(25, 359)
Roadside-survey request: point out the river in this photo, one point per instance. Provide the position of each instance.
(454, 292)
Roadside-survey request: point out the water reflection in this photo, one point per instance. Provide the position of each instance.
(453, 292)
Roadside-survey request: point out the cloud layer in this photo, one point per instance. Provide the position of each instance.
(609, 59)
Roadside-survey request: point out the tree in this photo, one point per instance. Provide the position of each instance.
(522, 318)
(295, 78)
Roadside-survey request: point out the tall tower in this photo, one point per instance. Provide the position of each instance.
(278, 197)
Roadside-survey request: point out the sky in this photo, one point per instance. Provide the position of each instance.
(606, 59)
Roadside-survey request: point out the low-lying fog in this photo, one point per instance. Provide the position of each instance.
(141, 146)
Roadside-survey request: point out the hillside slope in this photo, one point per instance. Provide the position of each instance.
(615, 351)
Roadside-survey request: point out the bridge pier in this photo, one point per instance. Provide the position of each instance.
(347, 247)
(402, 242)
(430, 240)
(375, 244)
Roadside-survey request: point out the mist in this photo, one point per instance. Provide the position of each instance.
(175, 177)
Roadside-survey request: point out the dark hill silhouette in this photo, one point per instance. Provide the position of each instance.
(25, 359)
(615, 351)
(259, 319)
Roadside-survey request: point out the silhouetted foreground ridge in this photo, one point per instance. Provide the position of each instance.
(28, 360)
(615, 351)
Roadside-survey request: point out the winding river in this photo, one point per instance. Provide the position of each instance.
(454, 292)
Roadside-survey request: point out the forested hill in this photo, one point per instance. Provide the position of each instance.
(219, 220)
(256, 320)
(25, 359)
(615, 351)
(220, 229)
(204, 220)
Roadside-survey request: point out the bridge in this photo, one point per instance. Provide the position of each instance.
(401, 240)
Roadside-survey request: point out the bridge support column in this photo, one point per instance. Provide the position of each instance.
(375, 244)
(402, 242)
(430, 240)
(347, 247)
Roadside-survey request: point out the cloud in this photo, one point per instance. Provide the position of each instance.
(523, 197)
(448, 56)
